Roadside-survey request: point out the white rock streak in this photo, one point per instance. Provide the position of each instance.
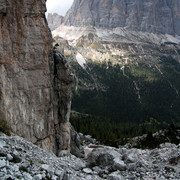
(81, 61)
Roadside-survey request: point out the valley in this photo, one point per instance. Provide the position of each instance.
(92, 95)
(126, 82)
(126, 75)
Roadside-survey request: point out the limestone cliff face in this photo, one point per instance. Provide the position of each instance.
(62, 100)
(157, 16)
(54, 20)
(30, 96)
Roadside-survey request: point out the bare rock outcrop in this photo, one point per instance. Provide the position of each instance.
(62, 101)
(157, 16)
(30, 99)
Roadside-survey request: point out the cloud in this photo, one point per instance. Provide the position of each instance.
(58, 6)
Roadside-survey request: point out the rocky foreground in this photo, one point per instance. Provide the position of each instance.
(20, 159)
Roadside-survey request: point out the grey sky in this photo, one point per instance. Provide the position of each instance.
(58, 6)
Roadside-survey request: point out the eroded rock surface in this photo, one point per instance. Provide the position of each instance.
(20, 159)
(30, 100)
(157, 16)
(62, 101)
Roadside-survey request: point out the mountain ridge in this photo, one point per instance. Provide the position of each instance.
(157, 16)
(54, 20)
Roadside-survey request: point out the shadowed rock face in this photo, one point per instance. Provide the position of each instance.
(28, 90)
(157, 16)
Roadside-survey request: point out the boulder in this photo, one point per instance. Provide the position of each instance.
(76, 147)
(106, 158)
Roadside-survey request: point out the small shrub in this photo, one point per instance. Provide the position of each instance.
(2, 154)
(4, 128)
(23, 168)
(175, 160)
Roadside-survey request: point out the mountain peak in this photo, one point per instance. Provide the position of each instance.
(54, 20)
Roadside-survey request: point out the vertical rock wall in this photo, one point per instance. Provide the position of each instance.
(28, 100)
(62, 101)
